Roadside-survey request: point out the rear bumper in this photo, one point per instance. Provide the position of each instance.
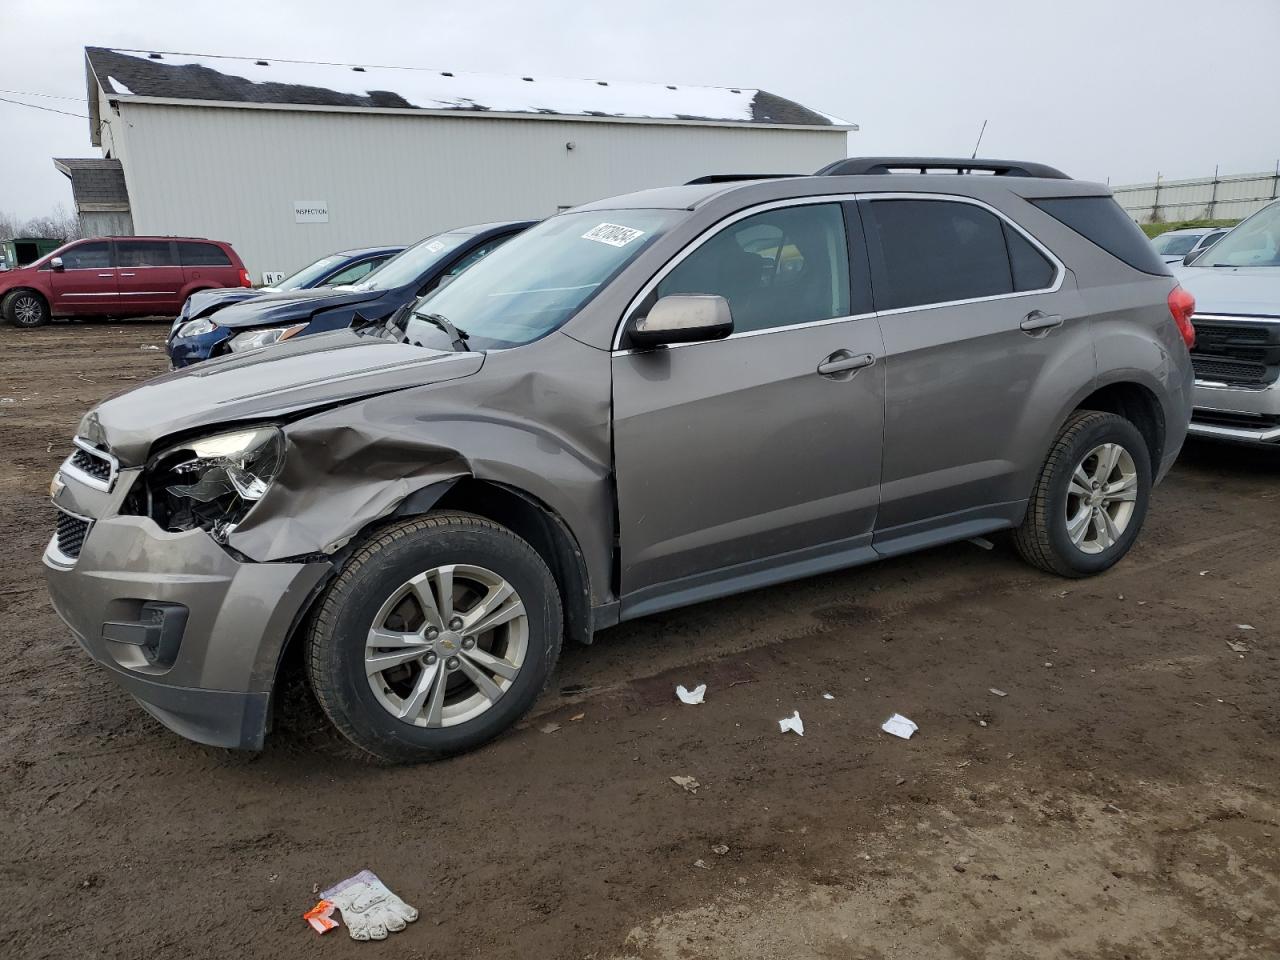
(213, 682)
(1238, 414)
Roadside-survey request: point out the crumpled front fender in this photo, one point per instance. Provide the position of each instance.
(535, 419)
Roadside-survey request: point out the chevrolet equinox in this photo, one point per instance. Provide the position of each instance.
(639, 404)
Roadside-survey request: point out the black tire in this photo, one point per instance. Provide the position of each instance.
(340, 628)
(1042, 539)
(25, 308)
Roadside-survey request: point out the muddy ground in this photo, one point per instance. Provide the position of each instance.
(1121, 801)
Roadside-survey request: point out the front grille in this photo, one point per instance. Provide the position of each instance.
(1241, 351)
(93, 465)
(1229, 371)
(71, 533)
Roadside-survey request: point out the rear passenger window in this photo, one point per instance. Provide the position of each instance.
(776, 268)
(1031, 268)
(87, 256)
(202, 255)
(144, 253)
(934, 251)
(1102, 221)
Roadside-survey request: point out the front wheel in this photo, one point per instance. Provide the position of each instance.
(23, 308)
(1090, 499)
(437, 636)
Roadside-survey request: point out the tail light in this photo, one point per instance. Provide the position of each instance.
(1182, 305)
(246, 282)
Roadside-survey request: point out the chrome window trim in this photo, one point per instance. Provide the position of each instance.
(1060, 270)
(88, 479)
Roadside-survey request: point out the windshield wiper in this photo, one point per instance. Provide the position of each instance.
(457, 338)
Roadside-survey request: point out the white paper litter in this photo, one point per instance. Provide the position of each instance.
(694, 696)
(792, 723)
(1245, 626)
(687, 783)
(998, 692)
(827, 696)
(899, 726)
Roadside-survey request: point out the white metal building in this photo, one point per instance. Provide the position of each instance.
(289, 161)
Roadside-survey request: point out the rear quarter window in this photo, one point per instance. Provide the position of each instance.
(202, 255)
(1101, 221)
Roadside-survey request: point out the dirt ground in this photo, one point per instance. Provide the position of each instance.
(1121, 801)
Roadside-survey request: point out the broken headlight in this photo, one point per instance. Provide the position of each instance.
(211, 483)
(257, 339)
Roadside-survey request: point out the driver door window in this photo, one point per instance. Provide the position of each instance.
(777, 269)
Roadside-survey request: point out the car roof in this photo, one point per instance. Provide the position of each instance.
(144, 237)
(366, 251)
(1183, 231)
(496, 226)
(693, 195)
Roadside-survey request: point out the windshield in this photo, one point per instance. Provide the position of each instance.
(308, 274)
(408, 265)
(1255, 243)
(531, 285)
(1176, 245)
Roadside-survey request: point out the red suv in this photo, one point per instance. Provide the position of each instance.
(117, 277)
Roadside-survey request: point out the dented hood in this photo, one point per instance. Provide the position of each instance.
(292, 306)
(307, 373)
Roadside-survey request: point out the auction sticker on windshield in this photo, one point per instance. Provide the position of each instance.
(612, 234)
(435, 246)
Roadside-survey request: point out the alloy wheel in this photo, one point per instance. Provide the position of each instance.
(446, 645)
(1101, 498)
(27, 311)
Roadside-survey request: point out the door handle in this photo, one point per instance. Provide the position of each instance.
(128, 274)
(1038, 321)
(844, 362)
(106, 274)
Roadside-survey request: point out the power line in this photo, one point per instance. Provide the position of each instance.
(36, 106)
(49, 96)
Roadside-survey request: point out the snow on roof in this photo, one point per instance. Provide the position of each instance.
(180, 76)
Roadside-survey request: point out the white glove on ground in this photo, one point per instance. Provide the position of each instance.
(369, 909)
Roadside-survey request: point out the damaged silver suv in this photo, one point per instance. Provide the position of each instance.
(640, 404)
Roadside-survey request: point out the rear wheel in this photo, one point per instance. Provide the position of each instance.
(1091, 498)
(25, 308)
(436, 637)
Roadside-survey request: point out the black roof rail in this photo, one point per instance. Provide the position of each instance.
(857, 166)
(733, 177)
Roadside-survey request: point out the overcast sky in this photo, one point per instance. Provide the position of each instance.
(1101, 88)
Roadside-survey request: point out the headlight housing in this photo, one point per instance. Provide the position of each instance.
(195, 328)
(213, 482)
(256, 339)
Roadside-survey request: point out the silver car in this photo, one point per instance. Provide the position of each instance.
(1175, 246)
(1236, 284)
(642, 403)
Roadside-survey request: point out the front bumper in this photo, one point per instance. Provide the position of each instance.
(184, 351)
(214, 685)
(1239, 414)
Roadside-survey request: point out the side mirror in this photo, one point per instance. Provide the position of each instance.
(56, 263)
(1186, 261)
(682, 318)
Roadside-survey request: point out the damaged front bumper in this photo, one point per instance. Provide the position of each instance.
(192, 632)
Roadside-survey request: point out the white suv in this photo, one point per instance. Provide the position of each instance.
(1236, 283)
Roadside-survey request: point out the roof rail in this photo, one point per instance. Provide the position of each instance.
(855, 166)
(733, 177)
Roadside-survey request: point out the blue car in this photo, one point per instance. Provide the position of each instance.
(272, 317)
(347, 266)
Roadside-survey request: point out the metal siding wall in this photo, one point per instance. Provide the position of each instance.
(1222, 198)
(234, 174)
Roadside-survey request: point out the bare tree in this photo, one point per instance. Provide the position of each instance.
(60, 224)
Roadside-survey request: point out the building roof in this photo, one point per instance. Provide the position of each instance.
(96, 185)
(144, 74)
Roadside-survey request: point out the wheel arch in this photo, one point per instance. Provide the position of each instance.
(1136, 403)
